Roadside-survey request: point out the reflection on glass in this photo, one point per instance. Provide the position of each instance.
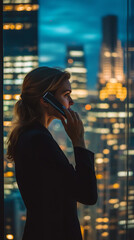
(89, 41)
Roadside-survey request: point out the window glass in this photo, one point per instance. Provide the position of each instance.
(90, 40)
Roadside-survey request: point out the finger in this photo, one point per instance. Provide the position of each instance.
(75, 114)
(68, 114)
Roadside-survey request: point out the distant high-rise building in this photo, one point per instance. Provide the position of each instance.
(76, 65)
(111, 78)
(20, 56)
(75, 62)
(109, 30)
(107, 136)
(20, 50)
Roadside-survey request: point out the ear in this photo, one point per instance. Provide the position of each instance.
(45, 104)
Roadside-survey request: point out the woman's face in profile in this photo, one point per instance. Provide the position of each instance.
(63, 95)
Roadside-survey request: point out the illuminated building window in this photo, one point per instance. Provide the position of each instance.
(124, 173)
(9, 174)
(9, 103)
(77, 70)
(16, 1)
(16, 26)
(114, 54)
(99, 160)
(76, 53)
(113, 201)
(9, 236)
(70, 60)
(106, 151)
(21, 7)
(7, 59)
(7, 96)
(104, 234)
(107, 54)
(8, 8)
(6, 1)
(8, 64)
(88, 107)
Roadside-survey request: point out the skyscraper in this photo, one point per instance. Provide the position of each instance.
(20, 56)
(20, 50)
(107, 120)
(111, 78)
(75, 62)
(77, 66)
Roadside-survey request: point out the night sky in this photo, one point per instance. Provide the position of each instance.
(71, 22)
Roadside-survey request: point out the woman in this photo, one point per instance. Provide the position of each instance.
(49, 184)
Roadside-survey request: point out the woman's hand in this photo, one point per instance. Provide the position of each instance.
(74, 127)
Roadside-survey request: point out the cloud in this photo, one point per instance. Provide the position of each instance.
(68, 22)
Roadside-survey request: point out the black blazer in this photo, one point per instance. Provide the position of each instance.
(50, 186)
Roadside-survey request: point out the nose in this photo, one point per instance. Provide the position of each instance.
(71, 102)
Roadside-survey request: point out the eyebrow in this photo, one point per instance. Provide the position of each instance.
(67, 90)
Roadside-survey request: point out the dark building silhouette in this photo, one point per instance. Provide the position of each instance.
(109, 30)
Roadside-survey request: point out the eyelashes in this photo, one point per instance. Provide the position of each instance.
(68, 94)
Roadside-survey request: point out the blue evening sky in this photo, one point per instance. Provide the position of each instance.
(71, 22)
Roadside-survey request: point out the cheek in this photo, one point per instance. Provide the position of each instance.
(64, 101)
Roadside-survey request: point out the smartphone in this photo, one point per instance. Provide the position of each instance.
(49, 97)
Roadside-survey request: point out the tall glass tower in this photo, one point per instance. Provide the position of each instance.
(107, 136)
(20, 56)
(111, 78)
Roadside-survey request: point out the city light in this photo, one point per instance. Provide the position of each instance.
(7, 96)
(7, 123)
(116, 185)
(99, 176)
(88, 107)
(106, 151)
(76, 53)
(9, 236)
(103, 110)
(77, 70)
(21, 7)
(70, 60)
(124, 173)
(104, 234)
(99, 160)
(8, 174)
(23, 218)
(87, 218)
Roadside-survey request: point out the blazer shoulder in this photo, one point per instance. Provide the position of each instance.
(33, 136)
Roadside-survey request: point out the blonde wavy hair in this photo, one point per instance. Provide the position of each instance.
(28, 109)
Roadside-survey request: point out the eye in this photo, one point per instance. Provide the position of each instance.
(67, 94)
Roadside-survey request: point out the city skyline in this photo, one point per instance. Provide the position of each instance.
(103, 116)
(63, 24)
